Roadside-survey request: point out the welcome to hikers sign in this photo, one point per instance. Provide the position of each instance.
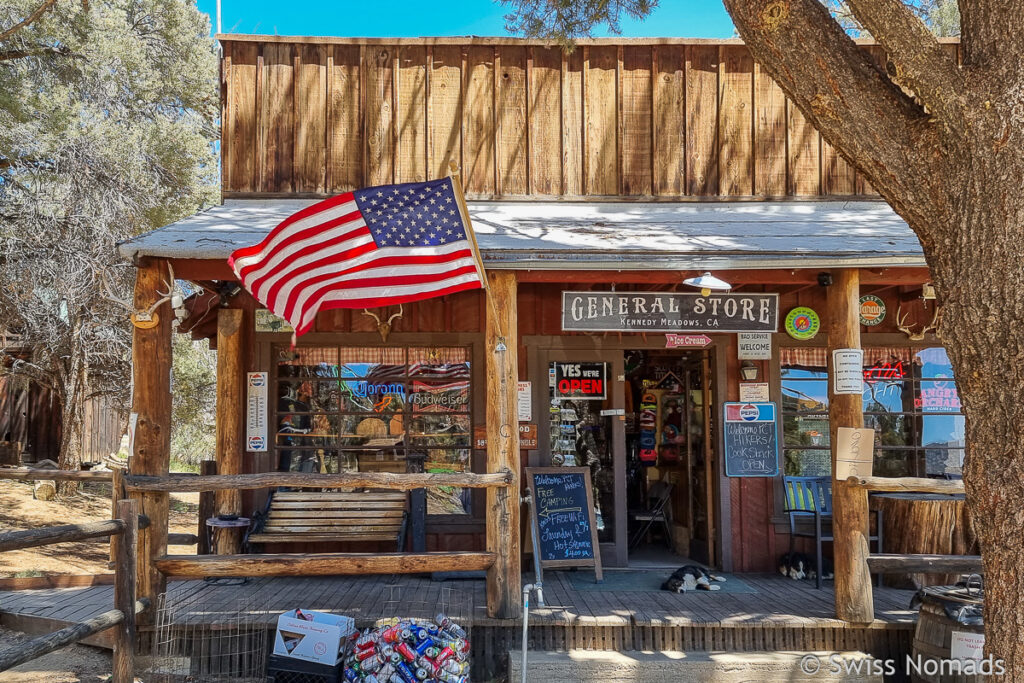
(669, 312)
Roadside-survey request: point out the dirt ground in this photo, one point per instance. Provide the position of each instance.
(74, 664)
(19, 510)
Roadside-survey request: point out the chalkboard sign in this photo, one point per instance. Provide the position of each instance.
(563, 512)
(751, 440)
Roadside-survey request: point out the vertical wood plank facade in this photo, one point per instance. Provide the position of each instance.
(511, 116)
(601, 122)
(345, 130)
(701, 120)
(669, 120)
(522, 119)
(769, 136)
(545, 117)
(736, 124)
(479, 122)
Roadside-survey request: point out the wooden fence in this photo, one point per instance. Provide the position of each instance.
(123, 530)
(892, 562)
(312, 564)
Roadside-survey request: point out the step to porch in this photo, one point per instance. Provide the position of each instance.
(577, 666)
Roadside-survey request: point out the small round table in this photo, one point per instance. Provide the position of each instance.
(216, 526)
(215, 523)
(925, 523)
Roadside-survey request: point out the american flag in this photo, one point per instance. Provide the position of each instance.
(373, 247)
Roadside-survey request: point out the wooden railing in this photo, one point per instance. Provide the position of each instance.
(30, 474)
(268, 564)
(176, 483)
(124, 532)
(919, 563)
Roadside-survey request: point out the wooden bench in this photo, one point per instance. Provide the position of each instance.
(332, 517)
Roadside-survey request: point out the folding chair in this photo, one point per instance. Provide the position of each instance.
(657, 510)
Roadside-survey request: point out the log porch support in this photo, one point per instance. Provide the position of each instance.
(503, 576)
(854, 601)
(151, 448)
(230, 410)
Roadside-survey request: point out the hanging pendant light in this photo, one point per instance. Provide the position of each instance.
(708, 283)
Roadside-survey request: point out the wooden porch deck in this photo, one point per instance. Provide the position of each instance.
(780, 615)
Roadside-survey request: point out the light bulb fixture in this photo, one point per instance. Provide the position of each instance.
(749, 370)
(500, 346)
(707, 283)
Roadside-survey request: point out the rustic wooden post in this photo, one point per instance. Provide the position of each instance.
(207, 509)
(230, 408)
(854, 601)
(117, 493)
(124, 591)
(151, 452)
(503, 578)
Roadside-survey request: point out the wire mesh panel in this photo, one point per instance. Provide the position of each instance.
(194, 640)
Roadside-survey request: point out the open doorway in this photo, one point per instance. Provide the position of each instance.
(670, 476)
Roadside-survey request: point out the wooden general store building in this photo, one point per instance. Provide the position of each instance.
(613, 172)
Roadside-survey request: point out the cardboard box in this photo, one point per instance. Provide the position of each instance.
(323, 640)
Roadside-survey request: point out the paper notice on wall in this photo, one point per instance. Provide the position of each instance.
(848, 371)
(855, 450)
(524, 402)
(754, 392)
(256, 413)
(967, 645)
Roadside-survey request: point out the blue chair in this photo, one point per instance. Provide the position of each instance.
(811, 497)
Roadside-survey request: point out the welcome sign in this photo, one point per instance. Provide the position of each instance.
(669, 312)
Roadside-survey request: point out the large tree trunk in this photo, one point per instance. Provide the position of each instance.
(951, 162)
(72, 410)
(979, 271)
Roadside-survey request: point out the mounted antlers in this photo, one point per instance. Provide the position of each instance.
(382, 327)
(917, 336)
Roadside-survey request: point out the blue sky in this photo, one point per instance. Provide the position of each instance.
(409, 18)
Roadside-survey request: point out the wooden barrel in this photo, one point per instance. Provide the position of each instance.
(947, 614)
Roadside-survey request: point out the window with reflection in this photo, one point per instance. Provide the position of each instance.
(374, 409)
(910, 400)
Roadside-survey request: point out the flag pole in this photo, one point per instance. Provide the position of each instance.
(453, 173)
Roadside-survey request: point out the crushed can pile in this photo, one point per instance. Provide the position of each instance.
(410, 651)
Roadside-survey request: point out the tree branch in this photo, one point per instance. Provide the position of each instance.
(8, 55)
(42, 9)
(47, 4)
(921, 63)
(854, 105)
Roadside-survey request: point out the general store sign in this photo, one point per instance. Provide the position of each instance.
(669, 312)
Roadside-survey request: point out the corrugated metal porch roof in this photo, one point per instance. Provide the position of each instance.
(607, 235)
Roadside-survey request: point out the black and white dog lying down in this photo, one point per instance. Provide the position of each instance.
(798, 566)
(691, 577)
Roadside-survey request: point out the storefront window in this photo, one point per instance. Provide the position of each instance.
(910, 400)
(375, 410)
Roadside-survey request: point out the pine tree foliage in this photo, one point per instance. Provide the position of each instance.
(108, 116)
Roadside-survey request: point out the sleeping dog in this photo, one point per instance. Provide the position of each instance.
(691, 577)
(798, 566)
